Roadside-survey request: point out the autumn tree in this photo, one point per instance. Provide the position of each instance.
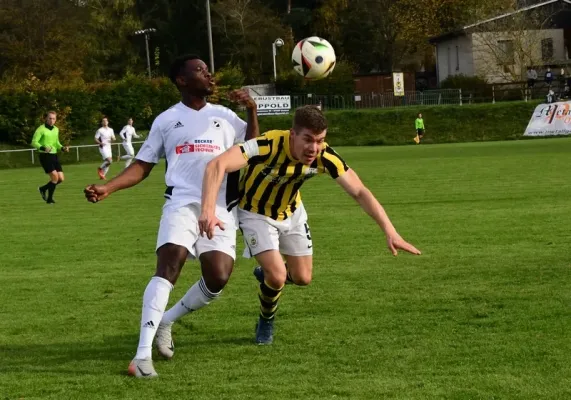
(44, 43)
(112, 25)
(247, 29)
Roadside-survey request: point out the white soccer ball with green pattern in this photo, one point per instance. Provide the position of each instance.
(313, 58)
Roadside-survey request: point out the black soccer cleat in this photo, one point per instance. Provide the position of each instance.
(265, 331)
(50, 201)
(42, 193)
(259, 274)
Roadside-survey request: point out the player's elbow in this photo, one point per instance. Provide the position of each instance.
(216, 166)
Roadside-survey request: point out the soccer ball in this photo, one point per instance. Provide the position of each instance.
(313, 58)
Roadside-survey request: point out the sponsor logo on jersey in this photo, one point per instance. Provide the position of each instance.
(197, 146)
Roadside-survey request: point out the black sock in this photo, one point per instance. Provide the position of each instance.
(45, 187)
(51, 189)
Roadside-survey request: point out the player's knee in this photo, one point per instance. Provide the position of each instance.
(60, 179)
(276, 278)
(303, 279)
(216, 271)
(217, 281)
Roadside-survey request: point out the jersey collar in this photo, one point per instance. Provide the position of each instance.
(287, 138)
(184, 106)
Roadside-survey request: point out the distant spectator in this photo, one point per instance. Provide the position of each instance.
(531, 77)
(319, 105)
(550, 98)
(549, 77)
(419, 126)
(562, 76)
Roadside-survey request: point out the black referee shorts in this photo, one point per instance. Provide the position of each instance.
(50, 162)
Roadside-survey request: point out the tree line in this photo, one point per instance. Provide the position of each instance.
(94, 40)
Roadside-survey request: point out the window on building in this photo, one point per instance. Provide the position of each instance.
(506, 52)
(547, 49)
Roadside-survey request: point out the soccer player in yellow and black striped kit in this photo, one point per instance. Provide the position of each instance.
(271, 214)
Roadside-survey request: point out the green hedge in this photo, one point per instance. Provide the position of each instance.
(444, 124)
(80, 106)
(395, 126)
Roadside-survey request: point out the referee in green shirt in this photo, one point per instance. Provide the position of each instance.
(419, 126)
(46, 141)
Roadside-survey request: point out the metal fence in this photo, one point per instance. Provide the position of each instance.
(380, 100)
(517, 91)
(87, 152)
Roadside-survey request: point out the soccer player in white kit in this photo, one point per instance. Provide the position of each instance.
(188, 135)
(103, 137)
(127, 133)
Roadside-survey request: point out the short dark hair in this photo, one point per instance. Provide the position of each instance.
(310, 117)
(178, 64)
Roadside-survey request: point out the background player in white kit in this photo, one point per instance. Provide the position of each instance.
(127, 133)
(103, 137)
(188, 135)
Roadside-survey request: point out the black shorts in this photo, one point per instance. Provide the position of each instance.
(50, 162)
(420, 132)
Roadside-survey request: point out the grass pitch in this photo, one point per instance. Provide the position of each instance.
(484, 313)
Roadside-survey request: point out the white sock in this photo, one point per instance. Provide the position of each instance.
(104, 165)
(126, 157)
(197, 297)
(155, 300)
(106, 169)
(128, 162)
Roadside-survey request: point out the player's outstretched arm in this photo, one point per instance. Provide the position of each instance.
(130, 176)
(351, 183)
(229, 161)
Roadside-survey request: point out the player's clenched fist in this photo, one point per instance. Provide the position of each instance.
(242, 97)
(95, 193)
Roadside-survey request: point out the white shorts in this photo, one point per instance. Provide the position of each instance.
(105, 152)
(291, 237)
(129, 149)
(179, 225)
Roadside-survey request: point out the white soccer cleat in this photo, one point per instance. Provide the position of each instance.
(142, 368)
(163, 340)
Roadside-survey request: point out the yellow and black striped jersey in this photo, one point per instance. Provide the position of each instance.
(271, 181)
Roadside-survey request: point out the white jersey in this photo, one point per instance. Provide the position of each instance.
(127, 133)
(105, 135)
(189, 139)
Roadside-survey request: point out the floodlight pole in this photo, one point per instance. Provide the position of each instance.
(277, 43)
(147, 33)
(209, 27)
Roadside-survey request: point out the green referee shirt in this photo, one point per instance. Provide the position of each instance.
(419, 123)
(47, 136)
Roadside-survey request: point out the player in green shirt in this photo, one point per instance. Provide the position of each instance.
(419, 125)
(46, 142)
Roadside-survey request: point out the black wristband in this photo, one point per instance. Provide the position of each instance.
(42, 148)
